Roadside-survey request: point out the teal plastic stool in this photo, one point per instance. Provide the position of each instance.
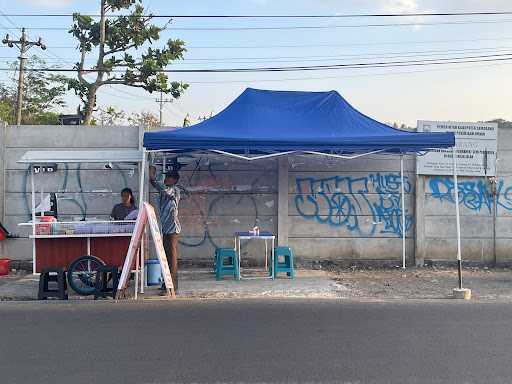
(226, 263)
(286, 265)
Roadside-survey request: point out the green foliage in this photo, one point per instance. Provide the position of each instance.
(118, 53)
(186, 120)
(43, 118)
(109, 116)
(44, 92)
(6, 111)
(144, 119)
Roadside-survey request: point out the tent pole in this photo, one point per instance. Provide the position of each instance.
(403, 207)
(142, 175)
(33, 197)
(457, 213)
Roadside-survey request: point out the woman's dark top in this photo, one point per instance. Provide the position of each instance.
(120, 211)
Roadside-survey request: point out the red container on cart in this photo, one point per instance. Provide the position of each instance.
(4, 267)
(45, 229)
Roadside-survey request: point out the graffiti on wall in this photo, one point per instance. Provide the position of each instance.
(367, 205)
(474, 195)
(210, 194)
(208, 216)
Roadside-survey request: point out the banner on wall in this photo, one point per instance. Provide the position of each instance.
(476, 146)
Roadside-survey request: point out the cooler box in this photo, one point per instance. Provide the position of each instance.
(153, 272)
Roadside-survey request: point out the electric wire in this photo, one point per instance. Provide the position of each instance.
(379, 64)
(277, 16)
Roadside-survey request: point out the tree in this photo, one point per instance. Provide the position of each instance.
(402, 126)
(144, 119)
(186, 120)
(6, 111)
(110, 116)
(502, 123)
(6, 105)
(204, 117)
(43, 93)
(114, 42)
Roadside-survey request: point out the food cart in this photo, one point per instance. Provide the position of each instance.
(81, 244)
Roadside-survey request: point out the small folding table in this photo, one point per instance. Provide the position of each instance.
(263, 235)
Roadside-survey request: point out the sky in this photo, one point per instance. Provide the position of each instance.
(459, 92)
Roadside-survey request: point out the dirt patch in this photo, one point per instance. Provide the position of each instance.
(348, 283)
(424, 283)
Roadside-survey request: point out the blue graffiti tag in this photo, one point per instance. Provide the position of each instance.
(344, 201)
(474, 195)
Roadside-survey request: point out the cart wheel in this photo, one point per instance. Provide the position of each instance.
(82, 274)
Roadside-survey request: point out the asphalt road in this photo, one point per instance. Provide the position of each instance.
(255, 342)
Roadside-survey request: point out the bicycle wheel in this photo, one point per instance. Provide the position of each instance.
(82, 274)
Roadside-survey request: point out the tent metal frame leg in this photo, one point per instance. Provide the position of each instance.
(457, 213)
(33, 201)
(403, 207)
(141, 253)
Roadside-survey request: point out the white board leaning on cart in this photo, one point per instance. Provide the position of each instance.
(146, 215)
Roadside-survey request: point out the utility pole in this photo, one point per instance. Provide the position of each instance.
(23, 44)
(161, 101)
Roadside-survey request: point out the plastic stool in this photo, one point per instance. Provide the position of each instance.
(103, 275)
(226, 263)
(52, 275)
(287, 265)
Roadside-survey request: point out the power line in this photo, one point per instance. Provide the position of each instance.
(15, 27)
(404, 53)
(9, 20)
(334, 45)
(248, 16)
(299, 27)
(387, 73)
(65, 61)
(285, 59)
(134, 96)
(342, 57)
(382, 64)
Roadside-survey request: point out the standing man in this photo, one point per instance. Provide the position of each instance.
(169, 199)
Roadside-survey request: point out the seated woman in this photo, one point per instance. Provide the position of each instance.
(126, 208)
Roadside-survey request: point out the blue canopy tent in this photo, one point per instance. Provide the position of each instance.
(282, 121)
(261, 124)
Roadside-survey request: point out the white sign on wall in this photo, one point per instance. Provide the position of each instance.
(476, 146)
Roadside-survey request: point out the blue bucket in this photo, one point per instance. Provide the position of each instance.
(153, 272)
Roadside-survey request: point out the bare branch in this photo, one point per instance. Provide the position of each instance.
(81, 67)
(120, 49)
(121, 82)
(167, 24)
(112, 80)
(101, 55)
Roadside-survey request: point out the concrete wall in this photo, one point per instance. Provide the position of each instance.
(326, 209)
(436, 225)
(350, 209)
(83, 190)
(222, 196)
